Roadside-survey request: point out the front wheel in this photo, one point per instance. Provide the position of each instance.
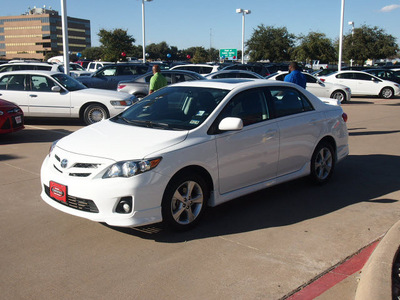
(339, 95)
(95, 113)
(387, 93)
(184, 201)
(322, 163)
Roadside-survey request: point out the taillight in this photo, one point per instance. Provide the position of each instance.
(344, 117)
(121, 86)
(322, 79)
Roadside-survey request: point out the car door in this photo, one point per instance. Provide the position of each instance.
(43, 102)
(316, 87)
(367, 84)
(13, 89)
(248, 156)
(103, 78)
(348, 79)
(299, 128)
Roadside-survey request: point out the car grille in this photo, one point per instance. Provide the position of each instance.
(75, 202)
(79, 169)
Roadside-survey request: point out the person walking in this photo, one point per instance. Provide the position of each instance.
(295, 75)
(157, 81)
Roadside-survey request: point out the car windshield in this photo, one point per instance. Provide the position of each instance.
(173, 108)
(68, 82)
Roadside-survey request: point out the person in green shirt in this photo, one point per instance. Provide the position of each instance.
(157, 81)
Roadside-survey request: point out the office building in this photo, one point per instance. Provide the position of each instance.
(38, 31)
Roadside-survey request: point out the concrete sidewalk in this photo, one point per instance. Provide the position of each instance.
(367, 275)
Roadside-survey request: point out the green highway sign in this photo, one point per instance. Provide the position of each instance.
(230, 54)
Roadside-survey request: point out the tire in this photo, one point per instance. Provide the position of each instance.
(387, 93)
(184, 201)
(339, 95)
(322, 163)
(95, 113)
(140, 96)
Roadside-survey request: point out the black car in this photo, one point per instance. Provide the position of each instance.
(109, 76)
(385, 74)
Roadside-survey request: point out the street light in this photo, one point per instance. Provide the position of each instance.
(143, 31)
(243, 12)
(352, 29)
(352, 36)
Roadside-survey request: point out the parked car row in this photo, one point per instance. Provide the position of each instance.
(36, 91)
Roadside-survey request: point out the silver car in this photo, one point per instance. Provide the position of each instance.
(140, 85)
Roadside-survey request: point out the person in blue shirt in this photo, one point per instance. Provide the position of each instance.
(295, 75)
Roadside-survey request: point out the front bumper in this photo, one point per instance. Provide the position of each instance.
(92, 197)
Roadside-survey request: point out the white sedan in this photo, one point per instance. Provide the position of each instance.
(190, 145)
(53, 94)
(319, 88)
(364, 84)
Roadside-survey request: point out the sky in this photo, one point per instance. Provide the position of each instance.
(215, 23)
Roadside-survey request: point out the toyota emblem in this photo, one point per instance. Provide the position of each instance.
(64, 163)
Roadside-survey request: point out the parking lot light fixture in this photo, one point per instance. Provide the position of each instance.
(144, 31)
(243, 12)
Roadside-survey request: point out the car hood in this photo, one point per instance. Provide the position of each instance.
(120, 142)
(100, 94)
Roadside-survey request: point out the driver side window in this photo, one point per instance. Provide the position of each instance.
(110, 71)
(250, 106)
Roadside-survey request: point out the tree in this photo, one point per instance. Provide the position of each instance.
(315, 45)
(115, 42)
(270, 43)
(93, 53)
(369, 43)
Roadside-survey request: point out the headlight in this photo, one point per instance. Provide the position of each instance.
(131, 168)
(121, 102)
(52, 146)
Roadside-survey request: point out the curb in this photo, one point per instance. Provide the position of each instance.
(376, 275)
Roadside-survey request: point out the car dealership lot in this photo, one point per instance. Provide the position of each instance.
(261, 246)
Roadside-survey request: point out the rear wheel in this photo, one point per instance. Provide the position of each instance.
(140, 96)
(387, 93)
(339, 95)
(322, 163)
(184, 201)
(95, 113)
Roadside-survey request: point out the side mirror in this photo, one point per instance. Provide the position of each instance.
(56, 89)
(230, 124)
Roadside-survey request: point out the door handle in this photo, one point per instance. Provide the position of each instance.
(32, 95)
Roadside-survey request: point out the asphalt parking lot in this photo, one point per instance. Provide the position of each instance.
(261, 246)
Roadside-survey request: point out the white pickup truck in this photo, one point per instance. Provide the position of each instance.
(317, 65)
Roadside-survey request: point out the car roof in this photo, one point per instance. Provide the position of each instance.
(40, 72)
(27, 63)
(232, 83)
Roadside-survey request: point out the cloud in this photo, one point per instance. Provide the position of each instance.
(389, 8)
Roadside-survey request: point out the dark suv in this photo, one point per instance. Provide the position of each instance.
(109, 76)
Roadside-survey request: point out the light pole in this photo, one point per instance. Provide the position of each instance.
(144, 31)
(352, 36)
(243, 12)
(341, 38)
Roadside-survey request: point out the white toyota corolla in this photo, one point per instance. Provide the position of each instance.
(192, 145)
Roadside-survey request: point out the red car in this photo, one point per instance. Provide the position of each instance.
(11, 117)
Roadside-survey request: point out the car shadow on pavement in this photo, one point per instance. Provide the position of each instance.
(358, 178)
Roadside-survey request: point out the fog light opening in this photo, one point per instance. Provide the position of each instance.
(124, 205)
